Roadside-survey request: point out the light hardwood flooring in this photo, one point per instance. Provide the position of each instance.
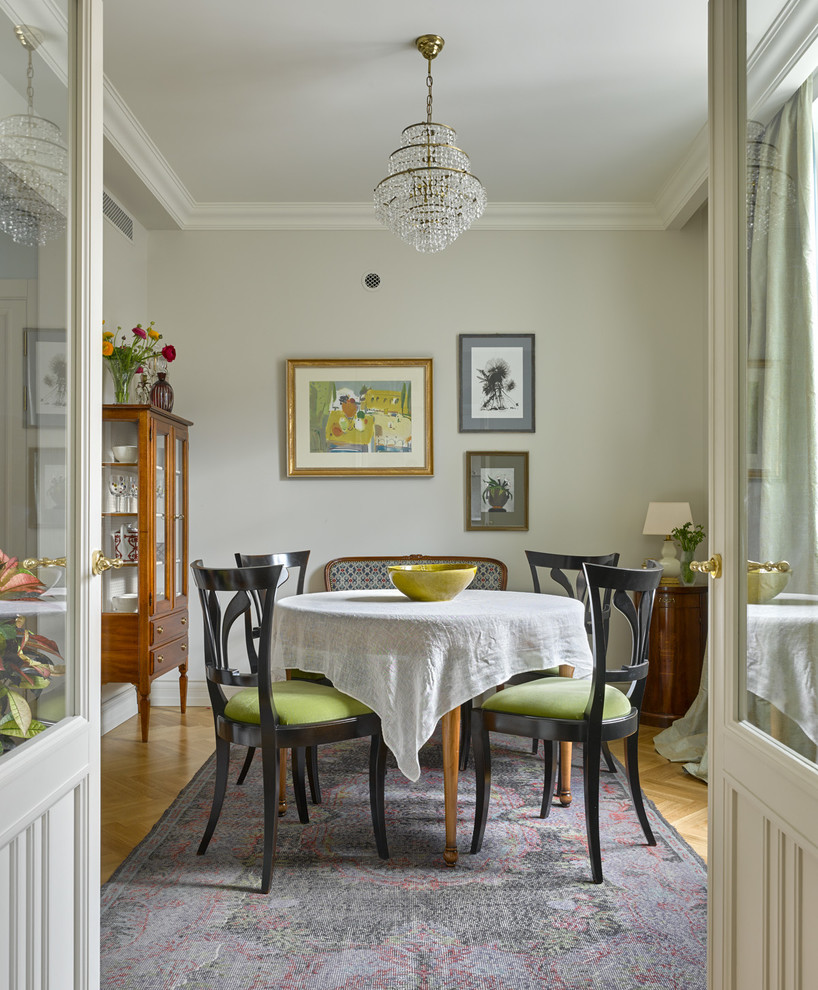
(140, 780)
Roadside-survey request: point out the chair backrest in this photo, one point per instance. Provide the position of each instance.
(573, 582)
(632, 592)
(362, 573)
(226, 594)
(289, 562)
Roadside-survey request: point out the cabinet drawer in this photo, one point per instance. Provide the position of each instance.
(168, 627)
(168, 656)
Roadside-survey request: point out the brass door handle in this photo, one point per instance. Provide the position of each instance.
(100, 563)
(782, 566)
(711, 567)
(32, 562)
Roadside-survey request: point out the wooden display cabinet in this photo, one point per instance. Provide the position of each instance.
(678, 636)
(145, 535)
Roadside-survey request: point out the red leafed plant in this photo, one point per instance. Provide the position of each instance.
(27, 661)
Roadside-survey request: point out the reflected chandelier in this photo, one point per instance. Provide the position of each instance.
(429, 197)
(33, 168)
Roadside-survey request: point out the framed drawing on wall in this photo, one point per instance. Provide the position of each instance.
(359, 417)
(46, 487)
(46, 377)
(497, 489)
(496, 382)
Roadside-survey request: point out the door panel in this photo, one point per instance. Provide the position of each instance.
(763, 846)
(49, 774)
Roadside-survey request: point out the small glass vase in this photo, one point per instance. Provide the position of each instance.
(162, 391)
(687, 576)
(122, 382)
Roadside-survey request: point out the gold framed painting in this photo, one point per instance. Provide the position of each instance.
(359, 417)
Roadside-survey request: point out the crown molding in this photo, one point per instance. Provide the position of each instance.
(132, 142)
(686, 189)
(361, 216)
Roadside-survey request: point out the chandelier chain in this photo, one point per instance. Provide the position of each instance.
(429, 82)
(30, 86)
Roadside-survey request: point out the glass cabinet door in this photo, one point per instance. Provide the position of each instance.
(121, 484)
(162, 515)
(180, 519)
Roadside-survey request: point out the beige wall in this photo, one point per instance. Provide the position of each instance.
(620, 324)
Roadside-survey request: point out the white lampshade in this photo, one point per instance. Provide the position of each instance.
(661, 520)
(664, 517)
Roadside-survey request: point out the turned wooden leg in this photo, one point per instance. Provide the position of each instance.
(282, 785)
(566, 752)
(183, 688)
(144, 713)
(451, 760)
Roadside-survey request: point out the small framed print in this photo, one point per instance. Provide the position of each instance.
(496, 383)
(369, 416)
(497, 490)
(46, 377)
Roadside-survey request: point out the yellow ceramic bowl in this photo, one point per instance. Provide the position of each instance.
(431, 582)
(763, 586)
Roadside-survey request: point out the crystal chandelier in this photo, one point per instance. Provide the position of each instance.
(429, 197)
(33, 168)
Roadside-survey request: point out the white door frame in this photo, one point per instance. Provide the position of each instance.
(763, 830)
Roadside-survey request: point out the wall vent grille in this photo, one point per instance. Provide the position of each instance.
(371, 281)
(118, 217)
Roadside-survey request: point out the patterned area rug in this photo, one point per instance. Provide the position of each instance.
(521, 915)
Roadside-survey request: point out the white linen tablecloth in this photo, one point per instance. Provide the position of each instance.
(412, 662)
(782, 657)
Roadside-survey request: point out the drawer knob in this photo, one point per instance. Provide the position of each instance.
(184, 622)
(159, 630)
(160, 659)
(183, 648)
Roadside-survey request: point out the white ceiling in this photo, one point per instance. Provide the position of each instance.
(260, 102)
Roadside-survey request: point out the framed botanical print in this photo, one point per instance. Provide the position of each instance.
(46, 377)
(497, 490)
(496, 383)
(358, 417)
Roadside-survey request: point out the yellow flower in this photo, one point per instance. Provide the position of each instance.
(107, 335)
(107, 348)
(154, 334)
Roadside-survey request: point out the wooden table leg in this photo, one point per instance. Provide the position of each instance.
(566, 752)
(451, 760)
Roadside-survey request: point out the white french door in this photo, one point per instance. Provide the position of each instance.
(763, 846)
(50, 320)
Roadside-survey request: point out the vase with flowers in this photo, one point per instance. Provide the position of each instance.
(688, 537)
(128, 356)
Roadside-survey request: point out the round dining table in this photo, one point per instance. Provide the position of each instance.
(415, 663)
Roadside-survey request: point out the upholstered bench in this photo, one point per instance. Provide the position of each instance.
(361, 573)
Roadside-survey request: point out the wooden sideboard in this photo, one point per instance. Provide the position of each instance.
(678, 635)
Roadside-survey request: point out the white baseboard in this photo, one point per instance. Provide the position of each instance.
(118, 708)
(165, 693)
(122, 705)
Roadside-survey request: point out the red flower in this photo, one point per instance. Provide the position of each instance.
(139, 370)
(169, 353)
(139, 332)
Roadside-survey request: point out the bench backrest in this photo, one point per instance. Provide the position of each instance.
(361, 573)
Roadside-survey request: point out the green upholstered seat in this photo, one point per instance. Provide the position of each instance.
(556, 697)
(297, 703)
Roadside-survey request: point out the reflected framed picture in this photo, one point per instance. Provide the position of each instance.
(47, 474)
(497, 489)
(496, 383)
(359, 417)
(46, 377)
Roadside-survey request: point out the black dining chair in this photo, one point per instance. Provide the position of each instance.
(291, 714)
(293, 564)
(565, 571)
(561, 709)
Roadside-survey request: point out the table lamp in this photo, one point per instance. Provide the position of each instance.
(661, 520)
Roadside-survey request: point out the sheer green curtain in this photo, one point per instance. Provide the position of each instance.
(782, 351)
